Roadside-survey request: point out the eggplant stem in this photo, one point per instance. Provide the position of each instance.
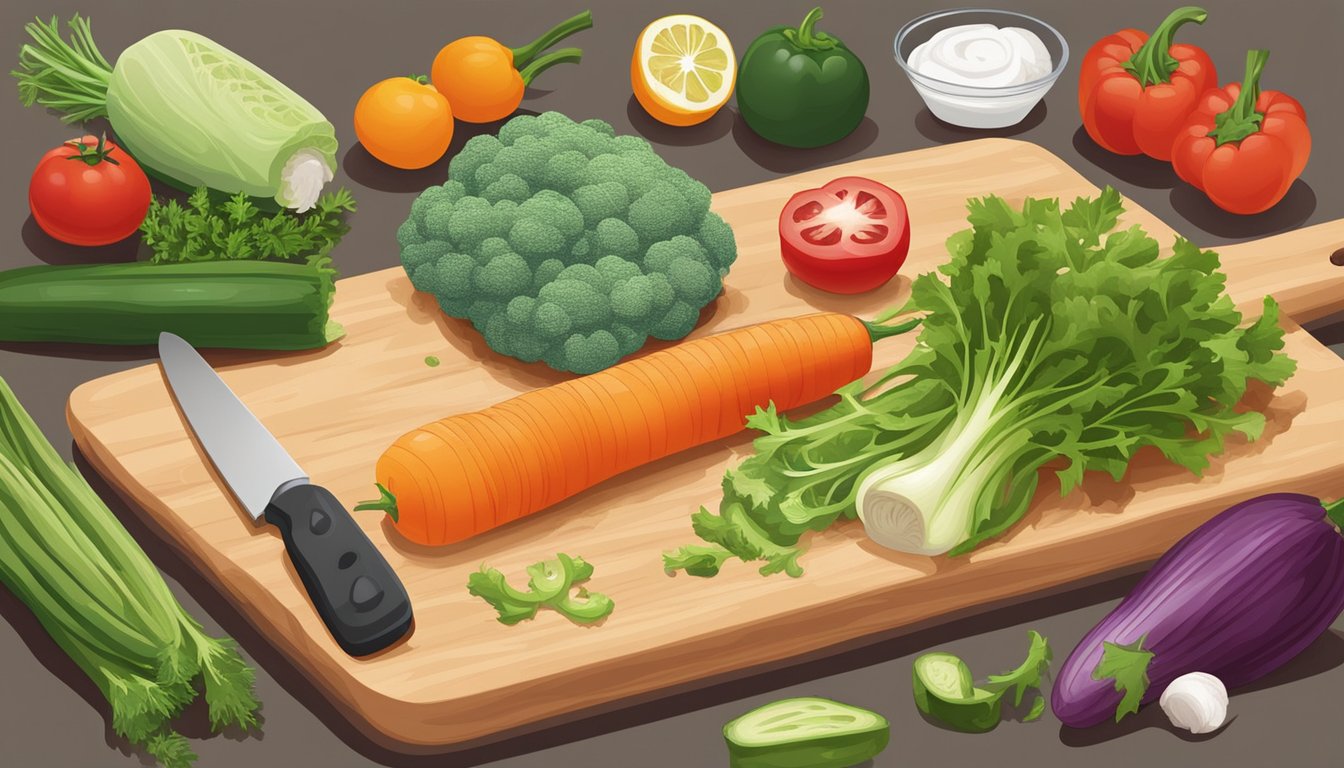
(1334, 512)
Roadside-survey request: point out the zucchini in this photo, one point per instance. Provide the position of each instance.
(238, 304)
(805, 732)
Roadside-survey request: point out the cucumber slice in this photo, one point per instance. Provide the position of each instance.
(945, 692)
(806, 732)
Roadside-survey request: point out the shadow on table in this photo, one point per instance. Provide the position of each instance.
(863, 653)
(53, 251)
(1321, 656)
(933, 129)
(1289, 213)
(781, 159)
(1139, 170)
(712, 129)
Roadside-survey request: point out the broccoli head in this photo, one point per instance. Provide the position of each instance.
(565, 243)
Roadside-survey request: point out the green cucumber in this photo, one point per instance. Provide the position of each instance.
(237, 304)
(805, 732)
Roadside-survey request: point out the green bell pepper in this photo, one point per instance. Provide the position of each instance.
(800, 87)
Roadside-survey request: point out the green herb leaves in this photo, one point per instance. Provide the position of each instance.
(207, 229)
(550, 583)
(1048, 337)
(1127, 665)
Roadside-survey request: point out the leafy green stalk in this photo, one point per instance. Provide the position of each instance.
(63, 553)
(1049, 337)
(551, 583)
(69, 77)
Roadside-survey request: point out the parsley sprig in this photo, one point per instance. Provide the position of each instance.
(207, 229)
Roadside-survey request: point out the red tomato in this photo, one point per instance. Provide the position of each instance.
(849, 236)
(88, 192)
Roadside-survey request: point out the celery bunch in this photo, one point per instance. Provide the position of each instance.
(65, 555)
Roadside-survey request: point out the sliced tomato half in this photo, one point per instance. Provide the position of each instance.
(849, 236)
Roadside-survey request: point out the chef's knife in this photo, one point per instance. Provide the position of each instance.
(356, 593)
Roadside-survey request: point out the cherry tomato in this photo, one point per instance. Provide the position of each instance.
(88, 192)
(849, 236)
(404, 122)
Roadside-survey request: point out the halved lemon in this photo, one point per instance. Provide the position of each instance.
(683, 69)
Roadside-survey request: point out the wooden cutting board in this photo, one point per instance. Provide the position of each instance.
(463, 678)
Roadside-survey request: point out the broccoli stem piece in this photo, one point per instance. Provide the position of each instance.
(523, 55)
(562, 56)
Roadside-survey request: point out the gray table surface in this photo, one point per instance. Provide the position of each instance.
(330, 51)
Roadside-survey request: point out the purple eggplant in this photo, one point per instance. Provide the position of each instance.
(1236, 598)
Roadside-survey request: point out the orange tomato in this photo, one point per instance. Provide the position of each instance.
(484, 80)
(477, 76)
(404, 122)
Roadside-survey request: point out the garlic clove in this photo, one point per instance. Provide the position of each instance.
(1196, 702)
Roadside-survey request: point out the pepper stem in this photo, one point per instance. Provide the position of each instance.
(807, 37)
(1241, 120)
(523, 55)
(1153, 62)
(562, 56)
(1334, 512)
(386, 503)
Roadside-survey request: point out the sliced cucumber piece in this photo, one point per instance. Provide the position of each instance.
(945, 691)
(805, 732)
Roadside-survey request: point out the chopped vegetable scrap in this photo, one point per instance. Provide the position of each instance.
(1236, 599)
(805, 732)
(946, 693)
(190, 111)
(65, 555)
(432, 361)
(565, 243)
(556, 584)
(1047, 338)
(468, 473)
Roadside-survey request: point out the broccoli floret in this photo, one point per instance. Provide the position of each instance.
(563, 242)
(507, 187)
(614, 237)
(608, 200)
(661, 213)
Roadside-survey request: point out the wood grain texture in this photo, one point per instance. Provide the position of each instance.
(463, 679)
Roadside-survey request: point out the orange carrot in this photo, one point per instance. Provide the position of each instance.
(466, 474)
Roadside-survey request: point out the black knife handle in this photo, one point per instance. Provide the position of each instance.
(356, 593)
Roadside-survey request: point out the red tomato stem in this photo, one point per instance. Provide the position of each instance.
(91, 154)
(1241, 120)
(1153, 63)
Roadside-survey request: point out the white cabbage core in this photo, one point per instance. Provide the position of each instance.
(302, 180)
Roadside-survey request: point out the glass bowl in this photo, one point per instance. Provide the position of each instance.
(973, 106)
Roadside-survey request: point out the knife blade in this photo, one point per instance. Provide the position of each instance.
(354, 589)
